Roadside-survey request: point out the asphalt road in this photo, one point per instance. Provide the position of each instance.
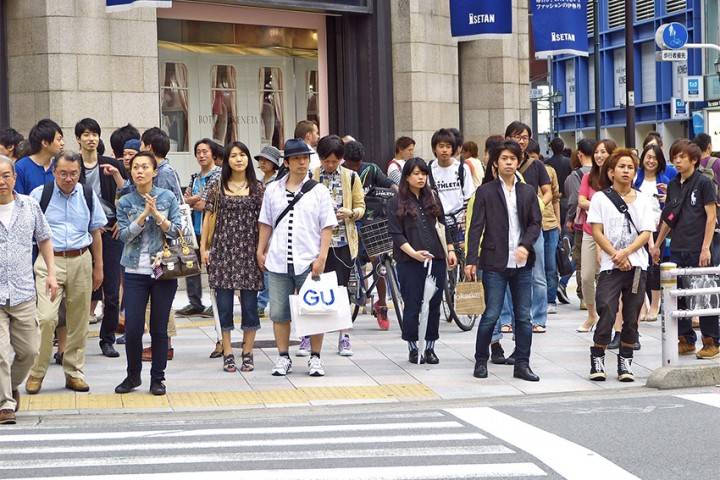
(631, 434)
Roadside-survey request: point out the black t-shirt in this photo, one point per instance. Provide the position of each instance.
(536, 174)
(689, 231)
(562, 168)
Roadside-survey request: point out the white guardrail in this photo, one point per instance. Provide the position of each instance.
(704, 297)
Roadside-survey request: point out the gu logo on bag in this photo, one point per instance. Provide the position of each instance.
(312, 298)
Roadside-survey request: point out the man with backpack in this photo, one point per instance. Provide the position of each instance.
(710, 167)
(690, 213)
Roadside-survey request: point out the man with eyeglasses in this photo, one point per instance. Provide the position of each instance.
(76, 219)
(21, 221)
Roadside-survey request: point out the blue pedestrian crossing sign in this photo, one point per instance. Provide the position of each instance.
(671, 36)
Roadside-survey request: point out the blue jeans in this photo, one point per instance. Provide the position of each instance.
(551, 238)
(412, 277)
(248, 305)
(519, 281)
(264, 295)
(281, 286)
(708, 325)
(160, 293)
(539, 290)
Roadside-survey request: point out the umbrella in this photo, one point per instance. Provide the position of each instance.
(216, 315)
(428, 293)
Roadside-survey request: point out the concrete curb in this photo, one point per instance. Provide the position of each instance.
(665, 378)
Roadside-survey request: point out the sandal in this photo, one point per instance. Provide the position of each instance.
(217, 353)
(229, 363)
(506, 328)
(248, 365)
(538, 329)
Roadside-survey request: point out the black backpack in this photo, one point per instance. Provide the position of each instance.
(48, 191)
(376, 200)
(460, 175)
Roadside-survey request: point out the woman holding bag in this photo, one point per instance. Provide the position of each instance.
(231, 260)
(145, 217)
(412, 215)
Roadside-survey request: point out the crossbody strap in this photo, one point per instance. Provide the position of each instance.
(622, 207)
(307, 186)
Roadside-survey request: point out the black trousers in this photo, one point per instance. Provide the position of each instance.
(613, 285)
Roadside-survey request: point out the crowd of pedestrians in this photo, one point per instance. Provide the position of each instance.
(77, 228)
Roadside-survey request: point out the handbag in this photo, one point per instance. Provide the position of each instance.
(562, 257)
(212, 217)
(440, 230)
(186, 221)
(176, 261)
(469, 298)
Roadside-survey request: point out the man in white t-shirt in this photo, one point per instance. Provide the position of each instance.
(454, 187)
(624, 261)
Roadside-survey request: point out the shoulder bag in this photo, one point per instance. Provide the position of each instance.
(213, 216)
(307, 186)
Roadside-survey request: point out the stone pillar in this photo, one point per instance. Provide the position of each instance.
(425, 71)
(68, 59)
(495, 76)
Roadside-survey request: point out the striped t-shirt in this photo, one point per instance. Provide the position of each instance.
(290, 196)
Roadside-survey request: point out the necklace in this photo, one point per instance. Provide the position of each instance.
(238, 187)
(626, 194)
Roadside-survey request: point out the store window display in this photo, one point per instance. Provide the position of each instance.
(311, 89)
(271, 107)
(174, 105)
(223, 89)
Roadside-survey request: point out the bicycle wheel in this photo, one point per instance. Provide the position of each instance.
(464, 322)
(356, 290)
(392, 283)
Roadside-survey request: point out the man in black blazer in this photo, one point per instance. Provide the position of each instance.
(506, 216)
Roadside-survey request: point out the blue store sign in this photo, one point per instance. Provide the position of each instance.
(559, 27)
(472, 19)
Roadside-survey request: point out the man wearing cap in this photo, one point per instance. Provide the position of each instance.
(205, 153)
(269, 161)
(293, 247)
(130, 149)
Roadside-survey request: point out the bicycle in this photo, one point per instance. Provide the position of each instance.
(454, 223)
(375, 241)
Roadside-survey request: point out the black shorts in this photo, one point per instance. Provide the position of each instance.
(339, 261)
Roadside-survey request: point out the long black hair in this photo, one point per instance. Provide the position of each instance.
(428, 200)
(226, 172)
(662, 163)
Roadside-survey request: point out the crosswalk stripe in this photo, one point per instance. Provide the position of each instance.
(568, 459)
(286, 430)
(712, 399)
(247, 443)
(227, 457)
(369, 473)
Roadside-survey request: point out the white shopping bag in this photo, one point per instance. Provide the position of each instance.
(319, 295)
(312, 324)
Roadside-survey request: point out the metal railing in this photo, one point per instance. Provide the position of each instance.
(670, 313)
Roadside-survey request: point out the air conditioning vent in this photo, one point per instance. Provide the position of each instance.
(644, 10)
(672, 6)
(590, 23)
(616, 13)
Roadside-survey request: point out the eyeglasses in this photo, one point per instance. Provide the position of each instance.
(519, 138)
(66, 175)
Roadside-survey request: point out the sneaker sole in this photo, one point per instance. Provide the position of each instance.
(302, 354)
(690, 352)
(344, 353)
(626, 378)
(598, 377)
(277, 373)
(702, 357)
(316, 374)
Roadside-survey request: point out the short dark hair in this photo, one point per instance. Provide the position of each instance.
(686, 146)
(443, 135)
(67, 155)
(653, 136)
(330, 144)
(9, 137)
(702, 140)
(354, 151)
(492, 141)
(23, 149)
(533, 146)
(215, 149)
(149, 155)
(557, 145)
(157, 139)
(44, 131)
(586, 146)
(122, 135)
(402, 143)
(89, 124)
(471, 148)
(304, 127)
(511, 145)
(517, 127)
(459, 138)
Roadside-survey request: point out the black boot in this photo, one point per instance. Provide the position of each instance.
(497, 354)
(480, 369)
(615, 343)
(597, 364)
(625, 359)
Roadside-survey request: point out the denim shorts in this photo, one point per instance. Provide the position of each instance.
(281, 286)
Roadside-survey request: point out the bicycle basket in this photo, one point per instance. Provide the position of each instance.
(451, 225)
(375, 238)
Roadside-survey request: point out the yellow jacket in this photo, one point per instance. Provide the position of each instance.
(353, 199)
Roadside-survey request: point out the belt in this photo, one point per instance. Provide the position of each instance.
(71, 253)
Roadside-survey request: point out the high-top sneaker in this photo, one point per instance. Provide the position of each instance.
(625, 359)
(597, 364)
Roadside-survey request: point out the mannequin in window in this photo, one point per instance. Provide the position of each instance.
(312, 108)
(267, 117)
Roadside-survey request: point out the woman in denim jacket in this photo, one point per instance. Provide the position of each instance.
(145, 217)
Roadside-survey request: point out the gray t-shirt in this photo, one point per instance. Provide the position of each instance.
(92, 178)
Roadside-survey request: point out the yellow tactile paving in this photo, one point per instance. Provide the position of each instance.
(303, 395)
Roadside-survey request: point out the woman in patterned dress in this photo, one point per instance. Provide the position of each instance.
(231, 260)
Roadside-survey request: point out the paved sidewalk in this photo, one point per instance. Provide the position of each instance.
(379, 371)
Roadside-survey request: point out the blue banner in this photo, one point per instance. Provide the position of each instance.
(473, 19)
(123, 5)
(559, 26)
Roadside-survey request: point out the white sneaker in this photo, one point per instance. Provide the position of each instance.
(93, 319)
(283, 366)
(304, 347)
(315, 367)
(344, 349)
(552, 308)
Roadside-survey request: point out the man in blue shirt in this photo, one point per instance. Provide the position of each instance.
(46, 141)
(76, 232)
